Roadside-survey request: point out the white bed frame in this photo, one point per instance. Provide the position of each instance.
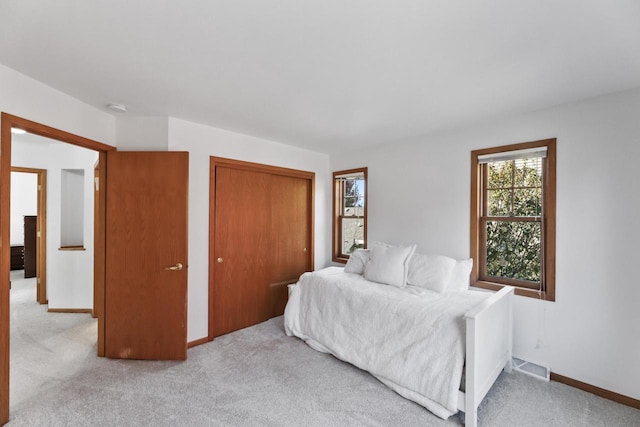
(489, 329)
(489, 349)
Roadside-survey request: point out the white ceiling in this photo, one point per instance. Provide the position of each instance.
(326, 74)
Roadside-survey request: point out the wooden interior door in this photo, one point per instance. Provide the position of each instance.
(241, 253)
(146, 255)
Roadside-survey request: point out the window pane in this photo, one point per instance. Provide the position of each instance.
(499, 202)
(353, 200)
(527, 202)
(354, 211)
(528, 172)
(513, 250)
(352, 234)
(500, 174)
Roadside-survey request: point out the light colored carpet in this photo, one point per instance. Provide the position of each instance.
(253, 377)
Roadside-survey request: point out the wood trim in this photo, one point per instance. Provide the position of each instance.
(72, 248)
(483, 284)
(70, 310)
(258, 167)
(550, 222)
(41, 226)
(26, 170)
(607, 394)
(312, 240)
(5, 215)
(53, 133)
(214, 162)
(516, 146)
(198, 342)
(41, 256)
(99, 258)
(474, 215)
(7, 122)
(212, 229)
(335, 233)
(548, 239)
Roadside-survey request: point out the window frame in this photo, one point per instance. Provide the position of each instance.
(338, 191)
(548, 222)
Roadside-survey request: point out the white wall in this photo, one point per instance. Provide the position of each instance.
(27, 98)
(69, 273)
(24, 201)
(419, 193)
(202, 142)
(142, 133)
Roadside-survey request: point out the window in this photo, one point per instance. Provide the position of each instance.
(513, 218)
(349, 212)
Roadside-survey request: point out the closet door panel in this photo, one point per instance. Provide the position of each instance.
(290, 235)
(242, 250)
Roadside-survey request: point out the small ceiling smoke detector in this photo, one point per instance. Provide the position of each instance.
(118, 108)
(17, 131)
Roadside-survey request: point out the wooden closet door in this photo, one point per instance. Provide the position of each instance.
(290, 234)
(242, 249)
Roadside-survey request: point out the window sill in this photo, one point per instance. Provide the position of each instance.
(518, 291)
(341, 260)
(71, 248)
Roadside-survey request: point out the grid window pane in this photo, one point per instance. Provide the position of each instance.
(499, 202)
(513, 250)
(514, 188)
(528, 172)
(352, 234)
(500, 174)
(527, 202)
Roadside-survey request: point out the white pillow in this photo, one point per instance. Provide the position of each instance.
(431, 272)
(459, 280)
(357, 261)
(389, 265)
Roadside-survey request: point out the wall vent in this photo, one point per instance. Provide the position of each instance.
(529, 368)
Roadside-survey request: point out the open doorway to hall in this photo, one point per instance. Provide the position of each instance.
(28, 237)
(51, 296)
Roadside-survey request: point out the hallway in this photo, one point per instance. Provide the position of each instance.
(46, 348)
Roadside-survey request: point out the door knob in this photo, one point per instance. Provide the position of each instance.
(220, 260)
(176, 267)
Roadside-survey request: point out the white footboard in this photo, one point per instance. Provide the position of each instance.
(489, 347)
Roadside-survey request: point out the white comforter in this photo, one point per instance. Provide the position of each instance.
(411, 339)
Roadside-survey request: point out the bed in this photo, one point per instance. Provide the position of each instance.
(415, 339)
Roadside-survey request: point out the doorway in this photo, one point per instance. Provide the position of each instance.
(41, 231)
(7, 123)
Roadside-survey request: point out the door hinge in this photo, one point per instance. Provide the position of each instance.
(38, 234)
(97, 181)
